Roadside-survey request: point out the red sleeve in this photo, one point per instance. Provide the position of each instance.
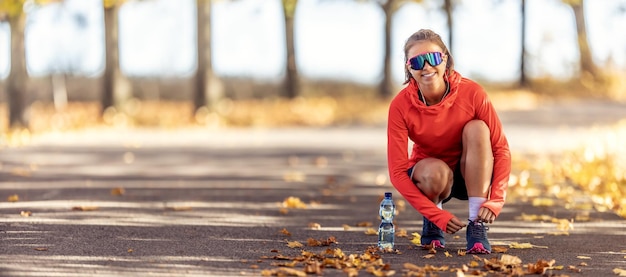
(501, 154)
(398, 163)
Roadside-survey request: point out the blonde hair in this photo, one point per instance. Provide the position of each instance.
(430, 36)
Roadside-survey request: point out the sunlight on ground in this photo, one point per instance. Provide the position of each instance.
(589, 178)
(593, 174)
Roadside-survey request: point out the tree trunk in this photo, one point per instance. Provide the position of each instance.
(290, 86)
(523, 81)
(448, 7)
(18, 76)
(207, 86)
(115, 89)
(385, 86)
(586, 61)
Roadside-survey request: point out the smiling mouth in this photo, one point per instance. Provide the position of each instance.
(429, 74)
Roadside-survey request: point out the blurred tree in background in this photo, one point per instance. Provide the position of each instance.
(116, 89)
(12, 11)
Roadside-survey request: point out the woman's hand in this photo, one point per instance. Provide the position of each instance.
(454, 225)
(486, 215)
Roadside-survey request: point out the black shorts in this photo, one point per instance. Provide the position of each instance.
(459, 190)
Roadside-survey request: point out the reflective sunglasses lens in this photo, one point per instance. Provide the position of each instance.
(434, 59)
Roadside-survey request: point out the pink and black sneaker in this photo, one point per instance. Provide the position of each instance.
(432, 236)
(476, 235)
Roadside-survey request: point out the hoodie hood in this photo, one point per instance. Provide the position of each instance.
(453, 79)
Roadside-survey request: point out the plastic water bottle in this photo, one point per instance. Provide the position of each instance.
(386, 230)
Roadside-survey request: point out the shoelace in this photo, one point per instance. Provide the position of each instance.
(478, 232)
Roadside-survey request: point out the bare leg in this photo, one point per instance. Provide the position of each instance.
(434, 178)
(477, 158)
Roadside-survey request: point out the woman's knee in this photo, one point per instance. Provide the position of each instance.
(476, 129)
(433, 177)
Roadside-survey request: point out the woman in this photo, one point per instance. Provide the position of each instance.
(459, 148)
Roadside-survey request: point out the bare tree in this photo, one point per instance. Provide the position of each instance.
(523, 80)
(291, 87)
(208, 87)
(587, 66)
(12, 12)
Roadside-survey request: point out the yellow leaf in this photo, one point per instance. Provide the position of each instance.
(346, 227)
(447, 254)
(416, 239)
(583, 257)
(13, 198)
(619, 272)
(510, 260)
(294, 202)
(294, 244)
(525, 245)
(429, 256)
(26, 213)
(130, 250)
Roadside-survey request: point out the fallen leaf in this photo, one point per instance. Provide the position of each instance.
(13, 198)
(283, 211)
(428, 256)
(119, 191)
(401, 233)
(294, 244)
(26, 213)
(447, 254)
(525, 245)
(294, 203)
(461, 252)
(346, 227)
(571, 267)
(416, 239)
(364, 224)
(315, 226)
(285, 232)
(583, 257)
(41, 248)
(130, 250)
(85, 208)
(510, 260)
(619, 272)
(499, 249)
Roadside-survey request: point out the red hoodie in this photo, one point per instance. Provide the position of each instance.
(436, 132)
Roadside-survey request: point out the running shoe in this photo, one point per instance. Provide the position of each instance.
(432, 236)
(476, 235)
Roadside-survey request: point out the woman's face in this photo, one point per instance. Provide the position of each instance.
(429, 74)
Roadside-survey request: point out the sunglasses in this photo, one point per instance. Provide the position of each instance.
(433, 58)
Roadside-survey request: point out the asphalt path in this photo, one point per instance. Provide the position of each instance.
(205, 202)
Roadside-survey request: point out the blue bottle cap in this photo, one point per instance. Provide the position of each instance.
(387, 194)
